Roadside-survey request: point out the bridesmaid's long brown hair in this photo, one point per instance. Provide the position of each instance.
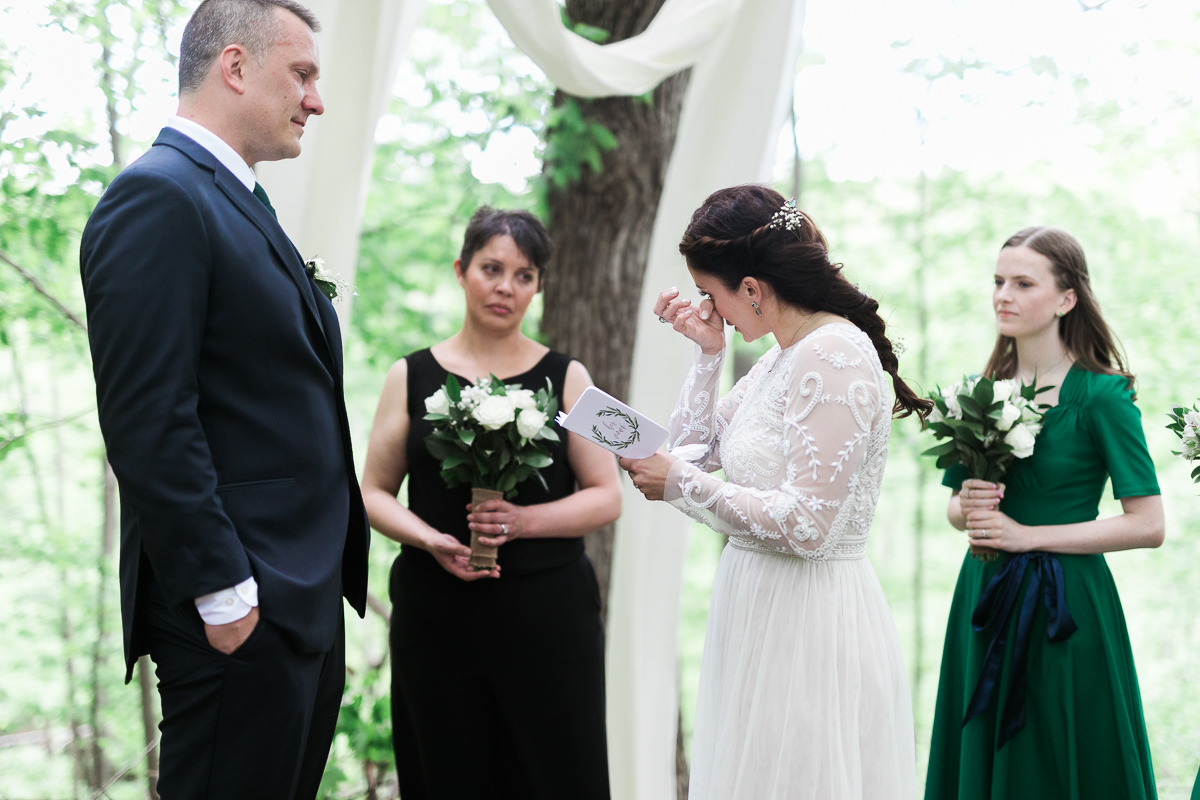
(1083, 331)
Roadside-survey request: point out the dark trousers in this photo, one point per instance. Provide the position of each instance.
(256, 724)
(498, 684)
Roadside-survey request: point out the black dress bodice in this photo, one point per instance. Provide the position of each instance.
(445, 509)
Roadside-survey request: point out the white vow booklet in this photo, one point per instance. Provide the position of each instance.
(603, 419)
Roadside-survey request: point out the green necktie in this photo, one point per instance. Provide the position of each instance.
(261, 194)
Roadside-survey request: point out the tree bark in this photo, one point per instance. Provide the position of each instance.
(101, 769)
(149, 724)
(78, 770)
(601, 225)
(922, 297)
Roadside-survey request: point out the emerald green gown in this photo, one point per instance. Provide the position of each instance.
(1083, 735)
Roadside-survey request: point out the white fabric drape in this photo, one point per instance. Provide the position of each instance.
(320, 196)
(674, 40)
(733, 111)
(744, 55)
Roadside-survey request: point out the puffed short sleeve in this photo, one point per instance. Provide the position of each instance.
(1115, 425)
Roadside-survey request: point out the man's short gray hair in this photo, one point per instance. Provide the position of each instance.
(220, 23)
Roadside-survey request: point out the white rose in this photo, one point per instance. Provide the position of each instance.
(494, 412)
(437, 403)
(1192, 419)
(1021, 439)
(472, 396)
(522, 398)
(529, 422)
(1029, 414)
(1189, 433)
(951, 398)
(1008, 415)
(936, 415)
(1003, 390)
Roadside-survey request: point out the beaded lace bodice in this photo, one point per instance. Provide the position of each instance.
(803, 442)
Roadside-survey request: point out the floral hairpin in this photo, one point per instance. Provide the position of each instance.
(788, 218)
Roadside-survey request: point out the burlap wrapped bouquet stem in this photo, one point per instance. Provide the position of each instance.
(482, 556)
(984, 553)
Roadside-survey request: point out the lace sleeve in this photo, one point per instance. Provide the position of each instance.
(799, 454)
(699, 419)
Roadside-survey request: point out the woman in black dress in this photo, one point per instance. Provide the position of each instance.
(498, 675)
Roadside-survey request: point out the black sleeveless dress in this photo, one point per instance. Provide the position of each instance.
(497, 684)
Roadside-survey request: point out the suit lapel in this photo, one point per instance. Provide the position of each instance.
(257, 213)
(280, 243)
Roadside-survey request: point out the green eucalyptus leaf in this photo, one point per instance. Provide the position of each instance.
(537, 460)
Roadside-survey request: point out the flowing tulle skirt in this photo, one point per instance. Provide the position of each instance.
(803, 693)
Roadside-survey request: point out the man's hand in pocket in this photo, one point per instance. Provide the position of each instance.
(229, 637)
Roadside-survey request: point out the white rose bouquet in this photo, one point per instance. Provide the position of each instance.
(490, 437)
(1185, 423)
(986, 424)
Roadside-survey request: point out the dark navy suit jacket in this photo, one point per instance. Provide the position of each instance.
(218, 371)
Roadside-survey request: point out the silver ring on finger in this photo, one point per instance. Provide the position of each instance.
(966, 494)
(662, 319)
(503, 529)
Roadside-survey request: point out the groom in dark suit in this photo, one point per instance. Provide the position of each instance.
(218, 370)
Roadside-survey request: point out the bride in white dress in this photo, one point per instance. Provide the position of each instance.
(803, 692)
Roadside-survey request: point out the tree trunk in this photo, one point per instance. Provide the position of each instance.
(63, 580)
(601, 225)
(922, 474)
(149, 724)
(101, 769)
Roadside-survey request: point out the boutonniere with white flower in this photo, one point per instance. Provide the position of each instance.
(491, 437)
(1185, 423)
(331, 284)
(986, 425)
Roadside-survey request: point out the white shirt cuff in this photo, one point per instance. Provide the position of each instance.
(228, 605)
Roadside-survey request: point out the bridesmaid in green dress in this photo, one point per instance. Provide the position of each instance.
(1038, 697)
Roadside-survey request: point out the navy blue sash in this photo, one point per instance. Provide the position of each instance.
(993, 615)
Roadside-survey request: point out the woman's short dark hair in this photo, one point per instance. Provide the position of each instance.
(731, 238)
(525, 229)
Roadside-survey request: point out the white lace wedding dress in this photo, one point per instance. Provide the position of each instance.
(803, 693)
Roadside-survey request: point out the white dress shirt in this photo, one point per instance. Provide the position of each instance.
(217, 146)
(227, 605)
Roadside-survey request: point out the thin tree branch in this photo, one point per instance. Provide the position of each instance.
(28, 276)
(5, 443)
(121, 774)
(376, 605)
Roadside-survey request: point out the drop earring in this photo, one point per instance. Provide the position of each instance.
(758, 313)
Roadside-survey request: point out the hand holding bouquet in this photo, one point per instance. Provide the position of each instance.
(492, 438)
(987, 424)
(1185, 423)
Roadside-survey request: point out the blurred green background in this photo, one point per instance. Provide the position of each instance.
(925, 137)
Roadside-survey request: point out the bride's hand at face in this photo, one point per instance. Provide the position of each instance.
(702, 324)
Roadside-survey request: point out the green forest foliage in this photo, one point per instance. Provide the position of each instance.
(924, 246)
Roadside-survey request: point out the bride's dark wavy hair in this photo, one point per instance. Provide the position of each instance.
(730, 237)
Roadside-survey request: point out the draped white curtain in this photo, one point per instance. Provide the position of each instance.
(744, 54)
(320, 196)
(674, 40)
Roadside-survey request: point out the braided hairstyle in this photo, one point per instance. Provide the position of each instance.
(730, 238)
